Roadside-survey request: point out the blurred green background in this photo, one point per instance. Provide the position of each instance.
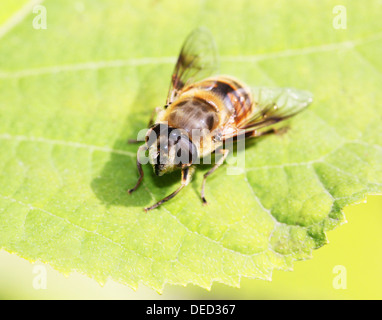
(355, 245)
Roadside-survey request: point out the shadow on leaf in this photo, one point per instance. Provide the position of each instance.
(120, 172)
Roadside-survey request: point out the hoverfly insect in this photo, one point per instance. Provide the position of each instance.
(203, 111)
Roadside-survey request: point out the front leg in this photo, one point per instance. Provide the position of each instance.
(186, 178)
(217, 165)
(139, 166)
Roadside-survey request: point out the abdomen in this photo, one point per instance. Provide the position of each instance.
(232, 96)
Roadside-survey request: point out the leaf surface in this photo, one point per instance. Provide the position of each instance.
(73, 94)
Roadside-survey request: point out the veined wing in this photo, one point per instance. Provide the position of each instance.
(272, 105)
(198, 59)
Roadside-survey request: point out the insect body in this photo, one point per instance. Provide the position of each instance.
(203, 111)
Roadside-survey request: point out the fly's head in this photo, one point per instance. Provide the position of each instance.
(169, 148)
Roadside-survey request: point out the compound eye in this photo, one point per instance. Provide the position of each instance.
(155, 133)
(182, 155)
(175, 136)
(186, 152)
(151, 137)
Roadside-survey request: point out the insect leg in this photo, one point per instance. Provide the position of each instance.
(139, 166)
(186, 178)
(256, 133)
(131, 141)
(217, 165)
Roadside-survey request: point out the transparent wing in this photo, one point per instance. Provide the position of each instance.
(198, 59)
(272, 105)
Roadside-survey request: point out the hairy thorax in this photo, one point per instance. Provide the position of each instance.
(194, 115)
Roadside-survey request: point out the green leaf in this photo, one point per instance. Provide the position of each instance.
(73, 94)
